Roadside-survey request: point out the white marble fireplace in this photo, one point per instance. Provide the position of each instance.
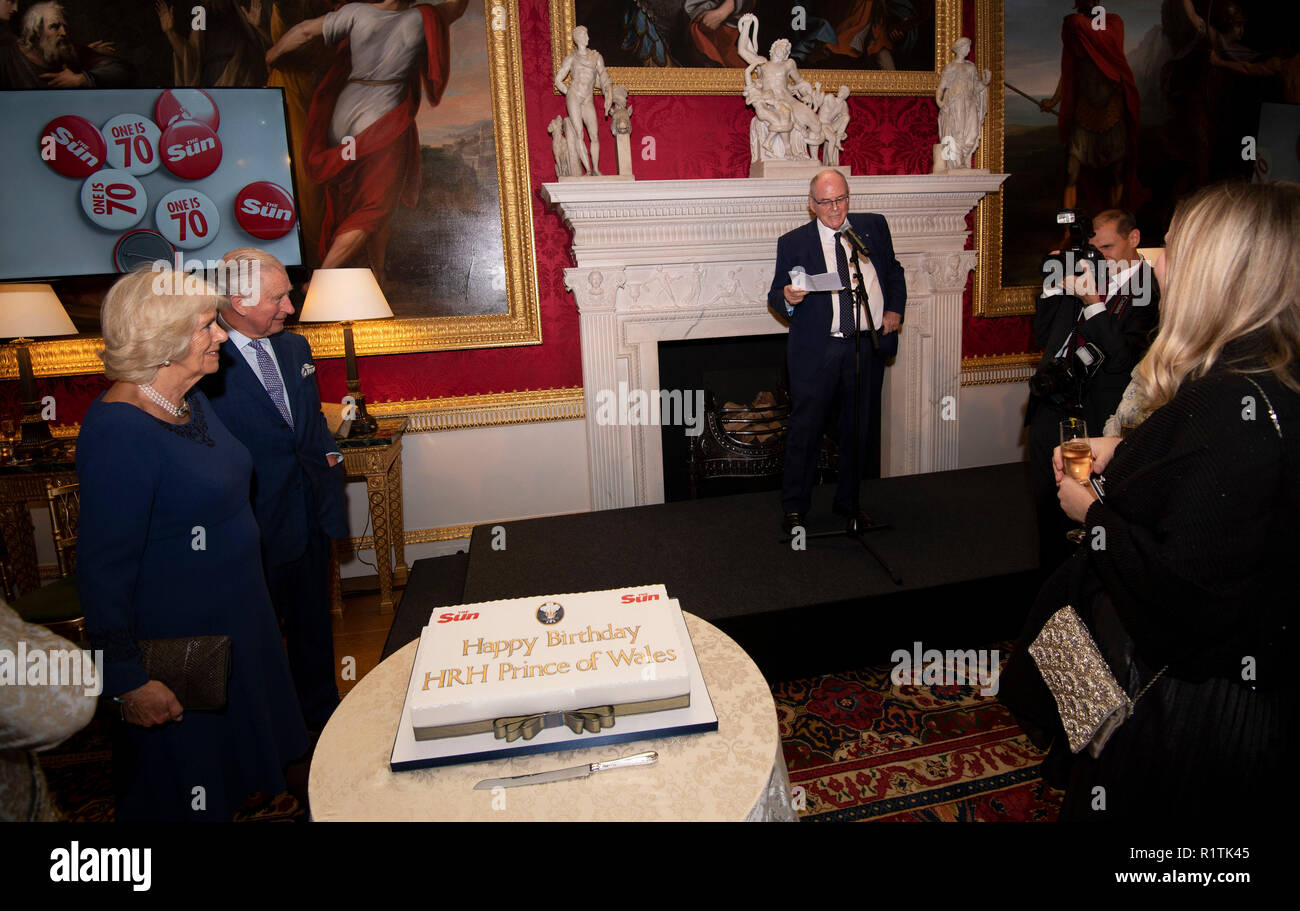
(662, 260)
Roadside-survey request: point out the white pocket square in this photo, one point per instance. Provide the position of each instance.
(308, 369)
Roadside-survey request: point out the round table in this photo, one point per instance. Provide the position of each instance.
(735, 773)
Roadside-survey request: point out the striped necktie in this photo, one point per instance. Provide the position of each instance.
(271, 380)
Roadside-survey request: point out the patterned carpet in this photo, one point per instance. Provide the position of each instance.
(80, 775)
(862, 748)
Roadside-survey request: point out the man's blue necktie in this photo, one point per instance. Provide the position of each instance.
(271, 379)
(846, 296)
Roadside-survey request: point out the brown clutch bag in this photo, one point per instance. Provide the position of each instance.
(195, 668)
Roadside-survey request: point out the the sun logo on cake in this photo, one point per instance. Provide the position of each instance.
(549, 613)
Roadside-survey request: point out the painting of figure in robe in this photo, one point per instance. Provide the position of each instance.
(825, 34)
(1133, 109)
(404, 86)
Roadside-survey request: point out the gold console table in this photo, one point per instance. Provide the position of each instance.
(378, 461)
(21, 487)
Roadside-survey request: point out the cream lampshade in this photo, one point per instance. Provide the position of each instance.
(32, 311)
(344, 296)
(27, 312)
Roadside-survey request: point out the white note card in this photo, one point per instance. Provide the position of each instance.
(827, 281)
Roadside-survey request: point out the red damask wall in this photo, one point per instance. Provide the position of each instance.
(699, 137)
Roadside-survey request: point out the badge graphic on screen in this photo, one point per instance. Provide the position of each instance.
(79, 149)
(187, 218)
(141, 247)
(265, 210)
(190, 150)
(186, 104)
(132, 143)
(113, 199)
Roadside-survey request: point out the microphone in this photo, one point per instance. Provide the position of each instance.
(854, 239)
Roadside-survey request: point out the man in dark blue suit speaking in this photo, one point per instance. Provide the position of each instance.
(266, 394)
(822, 342)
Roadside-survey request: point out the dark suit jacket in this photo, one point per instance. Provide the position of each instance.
(1123, 339)
(293, 485)
(810, 323)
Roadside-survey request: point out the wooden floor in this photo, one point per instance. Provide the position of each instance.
(360, 633)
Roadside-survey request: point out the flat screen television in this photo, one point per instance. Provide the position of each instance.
(1278, 157)
(99, 181)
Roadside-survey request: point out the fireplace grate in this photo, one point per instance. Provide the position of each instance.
(747, 441)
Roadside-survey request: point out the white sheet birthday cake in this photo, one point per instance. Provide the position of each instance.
(519, 666)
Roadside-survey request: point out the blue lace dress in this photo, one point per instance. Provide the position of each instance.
(168, 547)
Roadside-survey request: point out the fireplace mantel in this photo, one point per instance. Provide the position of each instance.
(662, 260)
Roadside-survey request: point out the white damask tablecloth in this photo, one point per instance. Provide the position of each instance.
(736, 773)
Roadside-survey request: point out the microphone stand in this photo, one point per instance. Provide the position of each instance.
(853, 529)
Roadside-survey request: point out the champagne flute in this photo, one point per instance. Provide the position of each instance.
(1076, 455)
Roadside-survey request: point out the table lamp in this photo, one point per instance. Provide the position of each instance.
(344, 296)
(27, 312)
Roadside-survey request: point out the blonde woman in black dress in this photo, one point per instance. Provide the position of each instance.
(1188, 565)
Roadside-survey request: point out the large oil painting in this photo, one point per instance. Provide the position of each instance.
(691, 46)
(1130, 104)
(427, 98)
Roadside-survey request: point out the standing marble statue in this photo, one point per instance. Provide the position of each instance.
(786, 126)
(772, 136)
(792, 119)
(588, 70)
(620, 125)
(833, 112)
(562, 148)
(963, 100)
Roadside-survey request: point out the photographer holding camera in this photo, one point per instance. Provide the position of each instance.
(1090, 346)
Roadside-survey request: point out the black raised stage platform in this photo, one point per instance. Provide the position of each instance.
(964, 543)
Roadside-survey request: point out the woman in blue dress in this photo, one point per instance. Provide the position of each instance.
(168, 548)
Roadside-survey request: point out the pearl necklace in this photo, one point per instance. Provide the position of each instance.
(163, 403)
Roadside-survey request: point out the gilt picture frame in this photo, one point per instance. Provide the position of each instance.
(514, 321)
(990, 298)
(943, 29)
(1197, 82)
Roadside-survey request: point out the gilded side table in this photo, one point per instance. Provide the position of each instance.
(21, 487)
(378, 461)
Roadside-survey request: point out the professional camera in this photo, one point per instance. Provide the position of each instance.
(1077, 256)
(1061, 379)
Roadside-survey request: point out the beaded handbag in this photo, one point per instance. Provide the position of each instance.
(1089, 699)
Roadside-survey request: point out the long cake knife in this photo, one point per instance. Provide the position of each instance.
(577, 771)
